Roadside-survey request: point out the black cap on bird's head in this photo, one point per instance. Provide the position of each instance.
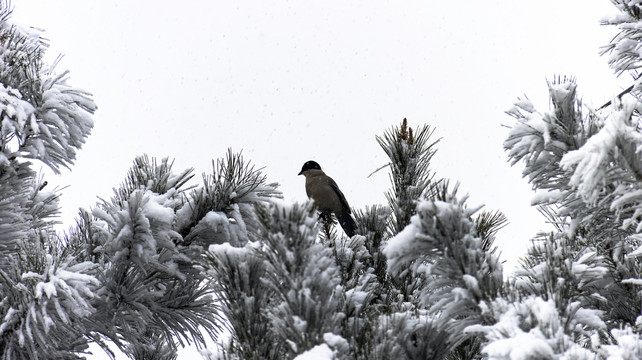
(310, 165)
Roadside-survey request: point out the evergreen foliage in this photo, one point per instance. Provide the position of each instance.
(576, 293)
(430, 282)
(244, 296)
(131, 271)
(165, 263)
(383, 294)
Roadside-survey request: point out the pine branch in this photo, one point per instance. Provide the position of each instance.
(148, 174)
(328, 223)
(303, 275)
(232, 191)
(619, 96)
(487, 225)
(410, 153)
(238, 279)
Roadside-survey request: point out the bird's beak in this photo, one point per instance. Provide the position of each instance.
(301, 172)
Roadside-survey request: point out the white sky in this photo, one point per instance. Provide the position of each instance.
(291, 81)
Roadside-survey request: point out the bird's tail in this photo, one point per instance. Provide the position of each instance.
(347, 223)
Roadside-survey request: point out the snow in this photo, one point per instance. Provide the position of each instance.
(561, 91)
(590, 162)
(635, 253)
(471, 283)
(336, 341)
(8, 319)
(228, 249)
(526, 105)
(102, 215)
(216, 227)
(404, 242)
(48, 288)
(547, 197)
(215, 220)
(540, 124)
(508, 340)
(529, 137)
(629, 199)
(523, 346)
(357, 297)
(300, 324)
(184, 214)
(153, 209)
(319, 352)
(629, 345)
(590, 317)
(577, 352)
(637, 282)
(588, 268)
(626, 198)
(614, 19)
(460, 294)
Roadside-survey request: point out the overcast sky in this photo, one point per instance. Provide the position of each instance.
(291, 81)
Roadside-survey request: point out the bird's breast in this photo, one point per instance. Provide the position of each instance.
(325, 198)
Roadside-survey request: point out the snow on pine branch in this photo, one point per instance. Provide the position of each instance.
(441, 243)
(590, 163)
(587, 166)
(41, 116)
(72, 284)
(63, 123)
(563, 269)
(47, 310)
(231, 193)
(535, 139)
(534, 328)
(625, 48)
(142, 231)
(627, 345)
(303, 276)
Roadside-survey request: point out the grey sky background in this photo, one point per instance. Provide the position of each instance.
(291, 81)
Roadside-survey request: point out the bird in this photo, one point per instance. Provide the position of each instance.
(327, 196)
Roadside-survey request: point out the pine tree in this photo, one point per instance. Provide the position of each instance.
(430, 278)
(164, 262)
(424, 280)
(397, 290)
(585, 168)
(47, 294)
(131, 271)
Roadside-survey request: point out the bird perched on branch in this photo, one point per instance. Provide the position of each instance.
(327, 196)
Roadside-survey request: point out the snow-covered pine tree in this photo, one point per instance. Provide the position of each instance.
(585, 167)
(303, 275)
(303, 287)
(431, 264)
(131, 271)
(149, 292)
(409, 155)
(47, 295)
(386, 293)
(568, 292)
(134, 271)
(450, 248)
(238, 279)
(282, 294)
(220, 211)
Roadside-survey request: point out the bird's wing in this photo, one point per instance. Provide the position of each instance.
(342, 198)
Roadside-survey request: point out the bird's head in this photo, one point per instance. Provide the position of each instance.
(310, 165)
